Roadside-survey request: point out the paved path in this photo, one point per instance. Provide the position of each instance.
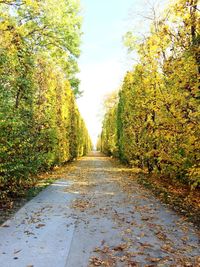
(96, 216)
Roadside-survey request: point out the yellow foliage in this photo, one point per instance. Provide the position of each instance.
(158, 114)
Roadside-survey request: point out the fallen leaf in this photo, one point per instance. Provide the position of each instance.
(154, 259)
(40, 225)
(120, 247)
(132, 264)
(96, 261)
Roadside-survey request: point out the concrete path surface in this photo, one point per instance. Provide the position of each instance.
(95, 216)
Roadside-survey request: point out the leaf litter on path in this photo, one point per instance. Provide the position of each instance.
(147, 233)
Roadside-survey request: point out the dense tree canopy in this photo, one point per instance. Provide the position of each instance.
(157, 117)
(40, 125)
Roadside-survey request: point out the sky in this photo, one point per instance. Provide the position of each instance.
(104, 60)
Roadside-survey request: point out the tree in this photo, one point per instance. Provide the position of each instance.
(158, 111)
(39, 45)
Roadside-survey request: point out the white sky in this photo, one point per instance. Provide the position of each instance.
(104, 62)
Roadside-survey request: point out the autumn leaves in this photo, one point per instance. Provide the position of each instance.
(40, 124)
(155, 123)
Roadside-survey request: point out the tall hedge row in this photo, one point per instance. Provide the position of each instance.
(156, 122)
(40, 125)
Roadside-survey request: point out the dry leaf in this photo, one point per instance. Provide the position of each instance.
(40, 225)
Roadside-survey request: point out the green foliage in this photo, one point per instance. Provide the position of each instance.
(40, 125)
(158, 114)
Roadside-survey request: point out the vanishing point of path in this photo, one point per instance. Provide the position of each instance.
(96, 215)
